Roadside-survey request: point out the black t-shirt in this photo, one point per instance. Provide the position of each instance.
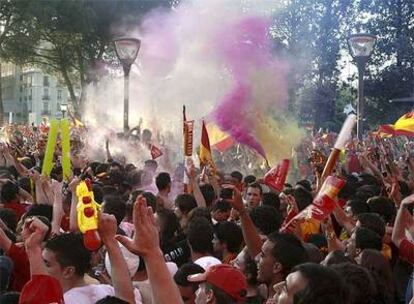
(177, 251)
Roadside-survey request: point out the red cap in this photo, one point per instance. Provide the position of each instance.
(225, 277)
(42, 289)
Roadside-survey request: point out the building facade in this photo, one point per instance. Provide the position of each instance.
(30, 95)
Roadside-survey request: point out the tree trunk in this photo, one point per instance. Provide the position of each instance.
(1, 100)
(71, 90)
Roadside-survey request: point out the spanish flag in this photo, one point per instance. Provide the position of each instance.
(219, 139)
(403, 126)
(205, 151)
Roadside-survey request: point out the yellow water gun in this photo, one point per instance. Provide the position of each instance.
(87, 211)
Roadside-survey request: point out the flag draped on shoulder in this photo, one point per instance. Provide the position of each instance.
(206, 158)
(403, 126)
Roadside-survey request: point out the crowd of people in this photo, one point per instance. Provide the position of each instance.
(177, 233)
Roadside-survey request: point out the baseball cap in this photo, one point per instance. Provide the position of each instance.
(225, 277)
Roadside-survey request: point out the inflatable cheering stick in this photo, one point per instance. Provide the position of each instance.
(87, 210)
(276, 177)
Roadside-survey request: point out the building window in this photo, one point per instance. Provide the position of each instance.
(45, 81)
(59, 94)
(29, 80)
(45, 106)
(46, 94)
(21, 88)
(21, 77)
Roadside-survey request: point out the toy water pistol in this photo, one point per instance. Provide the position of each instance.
(87, 211)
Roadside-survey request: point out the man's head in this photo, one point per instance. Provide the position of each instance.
(267, 219)
(228, 238)
(221, 210)
(221, 284)
(382, 206)
(311, 283)
(362, 238)
(185, 203)
(371, 221)
(9, 192)
(66, 257)
(187, 289)
(254, 195)
(354, 207)
(113, 204)
(200, 236)
(280, 253)
(163, 182)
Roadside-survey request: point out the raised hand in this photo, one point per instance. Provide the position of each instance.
(146, 238)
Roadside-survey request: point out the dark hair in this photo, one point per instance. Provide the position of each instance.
(162, 181)
(98, 193)
(9, 217)
(184, 271)
(9, 191)
(151, 164)
(249, 179)
(237, 175)
(357, 206)
(208, 193)
(257, 186)
(40, 210)
(287, 250)
(116, 206)
(25, 184)
(303, 197)
(111, 300)
(200, 212)
(305, 184)
(230, 234)
(10, 297)
(222, 205)
(200, 235)
(250, 270)
(380, 268)
(324, 285)
(373, 222)
(134, 177)
(359, 282)
(336, 257)
(267, 219)
(271, 199)
(383, 206)
(151, 200)
(70, 251)
(185, 202)
(367, 239)
(226, 193)
(170, 226)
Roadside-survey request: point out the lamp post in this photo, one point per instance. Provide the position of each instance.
(360, 47)
(63, 109)
(127, 51)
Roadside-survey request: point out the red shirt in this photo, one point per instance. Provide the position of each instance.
(42, 289)
(406, 251)
(18, 208)
(21, 270)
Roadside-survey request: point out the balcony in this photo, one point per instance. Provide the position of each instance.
(46, 112)
(45, 97)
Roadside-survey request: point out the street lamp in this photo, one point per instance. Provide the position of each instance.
(63, 109)
(127, 51)
(360, 47)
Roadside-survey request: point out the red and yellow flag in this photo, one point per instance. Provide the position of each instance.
(403, 126)
(206, 159)
(219, 139)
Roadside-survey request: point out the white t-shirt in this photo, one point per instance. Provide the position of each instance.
(207, 262)
(90, 294)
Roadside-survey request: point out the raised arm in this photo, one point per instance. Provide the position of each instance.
(402, 220)
(146, 245)
(121, 281)
(250, 234)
